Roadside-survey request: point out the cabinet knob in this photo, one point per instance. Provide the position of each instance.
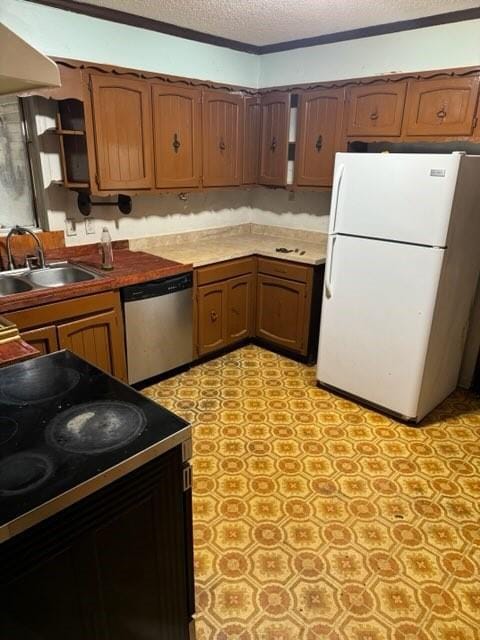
(442, 113)
(176, 143)
(273, 146)
(374, 115)
(213, 316)
(318, 144)
(221, 145)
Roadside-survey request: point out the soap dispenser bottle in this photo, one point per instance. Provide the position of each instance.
(106, 250)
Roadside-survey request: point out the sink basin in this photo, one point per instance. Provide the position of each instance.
(11, 284)
(59, 276)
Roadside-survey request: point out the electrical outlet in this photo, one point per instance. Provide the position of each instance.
(70, 227)
(89, 226)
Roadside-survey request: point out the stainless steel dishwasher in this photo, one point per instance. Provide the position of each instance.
(158, 326)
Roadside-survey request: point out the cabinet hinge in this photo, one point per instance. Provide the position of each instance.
(187, 477)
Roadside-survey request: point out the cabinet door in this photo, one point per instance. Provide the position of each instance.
(441, 107)
(122, 122)
(176, 126)
(98, 339)
(274, 138)
(376, 110)
(320, 115)
(212, 317)
(44, 339)
(222, 138)
(281, 312)
(251, 143)
(240, 308)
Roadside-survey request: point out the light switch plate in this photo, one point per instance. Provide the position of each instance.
(70, 227)
(90, 226)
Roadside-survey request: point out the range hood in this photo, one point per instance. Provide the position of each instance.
(22, 67)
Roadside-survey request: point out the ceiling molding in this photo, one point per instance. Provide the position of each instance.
(132, 20)
(376, 30)
(122, 17)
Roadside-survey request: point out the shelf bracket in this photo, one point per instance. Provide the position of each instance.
(85, 204)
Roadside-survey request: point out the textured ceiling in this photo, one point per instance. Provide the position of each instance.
(262, 22)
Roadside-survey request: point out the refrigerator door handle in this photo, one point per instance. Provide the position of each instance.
(329, 268)
(335, 197)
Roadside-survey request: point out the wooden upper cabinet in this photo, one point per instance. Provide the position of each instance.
(223, 124)
(319, 136)
(122, 124)
(444, 107)
(251, 142)
(274, 138)
(176, 130)
(376, 109)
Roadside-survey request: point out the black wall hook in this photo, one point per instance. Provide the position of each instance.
(85, 204)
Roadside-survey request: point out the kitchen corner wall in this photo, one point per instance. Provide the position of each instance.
(70, 35)
(65, 34)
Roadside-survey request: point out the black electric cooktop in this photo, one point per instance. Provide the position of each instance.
(63, 422)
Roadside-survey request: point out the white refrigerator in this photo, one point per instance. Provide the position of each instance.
(402, 265)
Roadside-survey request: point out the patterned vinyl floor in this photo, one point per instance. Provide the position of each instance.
(316, 518)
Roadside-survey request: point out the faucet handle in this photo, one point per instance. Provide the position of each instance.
(33, 261)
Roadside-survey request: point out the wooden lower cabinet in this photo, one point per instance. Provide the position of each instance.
(116, 565)
(240, 307)
(225, 303)
(276, 301)
(91, 327)
(44, 339)
(212, 317)
(282, 312)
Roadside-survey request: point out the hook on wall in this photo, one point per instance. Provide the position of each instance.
(85, 204)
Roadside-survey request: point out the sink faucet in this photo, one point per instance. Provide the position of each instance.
(21, 231)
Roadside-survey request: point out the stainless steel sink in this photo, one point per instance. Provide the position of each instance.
(59, 276)
(12, 284)
(55, 275)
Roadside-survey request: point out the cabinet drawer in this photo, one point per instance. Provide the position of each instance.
(283, 269)
(38, 316)
(225, 270)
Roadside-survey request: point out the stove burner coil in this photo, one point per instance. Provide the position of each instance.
(96, 427)
(38, 384)
(8, 428)
(23, 472)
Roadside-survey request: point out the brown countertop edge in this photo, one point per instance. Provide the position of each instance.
(16, 351)
(130, 267)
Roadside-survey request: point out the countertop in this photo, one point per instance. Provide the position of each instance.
(130, 267)
(202, 249)
(16, 351)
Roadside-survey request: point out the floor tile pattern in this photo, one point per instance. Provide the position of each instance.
(318, 519)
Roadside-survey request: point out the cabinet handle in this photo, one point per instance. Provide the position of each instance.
(318, 144)
(374, 115)
(221, 145)
(273, 146)
(213, 316)
(442, 113)
(176, 143)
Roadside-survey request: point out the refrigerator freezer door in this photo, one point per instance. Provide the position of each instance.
(394, 196)
(376, 319)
